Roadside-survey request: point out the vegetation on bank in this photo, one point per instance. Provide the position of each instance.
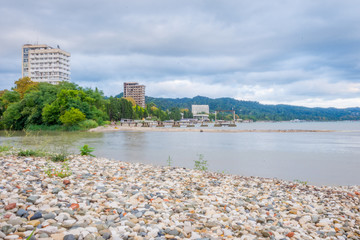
(256, 111)
(67, 106)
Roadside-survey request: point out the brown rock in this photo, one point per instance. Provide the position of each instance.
(290, 234)
(66, 182)
(10, 206)
(33, 223)
(74, 206)
(58, 236)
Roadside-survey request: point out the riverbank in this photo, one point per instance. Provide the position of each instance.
(105, 199)
(112, 128)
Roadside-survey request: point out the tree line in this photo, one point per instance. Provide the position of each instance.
(31, 105)
(256, 111)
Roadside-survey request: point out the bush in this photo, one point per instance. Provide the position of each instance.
(72, 117)
(201, 164)
(87, 124)
(106, 123)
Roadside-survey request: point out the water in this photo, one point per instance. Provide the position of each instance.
(321, 158)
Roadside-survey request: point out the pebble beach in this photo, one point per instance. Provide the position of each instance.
(107, 199)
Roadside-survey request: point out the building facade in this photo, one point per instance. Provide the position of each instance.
(135, 91)
(200, 112)
(43, 63)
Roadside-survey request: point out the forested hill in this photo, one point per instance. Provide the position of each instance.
(257, 111)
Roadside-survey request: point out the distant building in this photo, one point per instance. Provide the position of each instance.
(43, 63)
(135, 91)
(200, 111)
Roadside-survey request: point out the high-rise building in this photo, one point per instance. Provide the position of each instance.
(43, 63)
(136, 91)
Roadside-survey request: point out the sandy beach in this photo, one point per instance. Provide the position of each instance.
(109, 128)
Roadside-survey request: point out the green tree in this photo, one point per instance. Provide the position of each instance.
(175, 114)
(72, 117)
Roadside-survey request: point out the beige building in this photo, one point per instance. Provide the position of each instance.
(200, 111)
(135, 91)
(43, 63)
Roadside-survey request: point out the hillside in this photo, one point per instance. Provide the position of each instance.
(257, 111)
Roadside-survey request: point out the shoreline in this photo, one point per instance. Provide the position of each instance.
(120, 200)
(192, 129)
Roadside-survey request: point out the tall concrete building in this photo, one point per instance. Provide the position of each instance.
(43, 63)
(136, 91)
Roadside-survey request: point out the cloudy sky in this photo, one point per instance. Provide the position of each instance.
(299, 52)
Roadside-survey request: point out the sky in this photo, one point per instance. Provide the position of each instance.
(297, 52)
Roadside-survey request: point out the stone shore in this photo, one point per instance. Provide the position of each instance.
(105, 199)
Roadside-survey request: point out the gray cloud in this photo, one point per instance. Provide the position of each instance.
(296, 52)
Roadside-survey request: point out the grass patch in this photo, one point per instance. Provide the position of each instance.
(45, 128)
(5, 148)
(30, 153)
(59, 157)
(58, 171)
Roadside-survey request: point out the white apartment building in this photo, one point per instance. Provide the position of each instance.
(43, 63)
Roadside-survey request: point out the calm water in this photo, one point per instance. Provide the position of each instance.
(328, 158)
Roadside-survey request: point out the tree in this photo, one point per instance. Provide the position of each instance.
(175, 114)
(23, 85)
(130, 99)
(72, 117)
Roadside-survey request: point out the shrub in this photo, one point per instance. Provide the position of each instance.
(86, 150)
(87, 124)
(72, 117)
(201, 164)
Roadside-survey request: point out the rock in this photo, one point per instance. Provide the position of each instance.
(37, 215)
(56, 190)
(12, 237)
(211, 224)
(43, 235)
(10, 206)
(22, 213)
(110, 195)
(34, 223)
(66, 182)
(69, 237)
(32, 198)
(57, 236)
(49, 216)
(7, 229)
(16, 221)
(290, 234)
(49, 230)
(75, 206)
